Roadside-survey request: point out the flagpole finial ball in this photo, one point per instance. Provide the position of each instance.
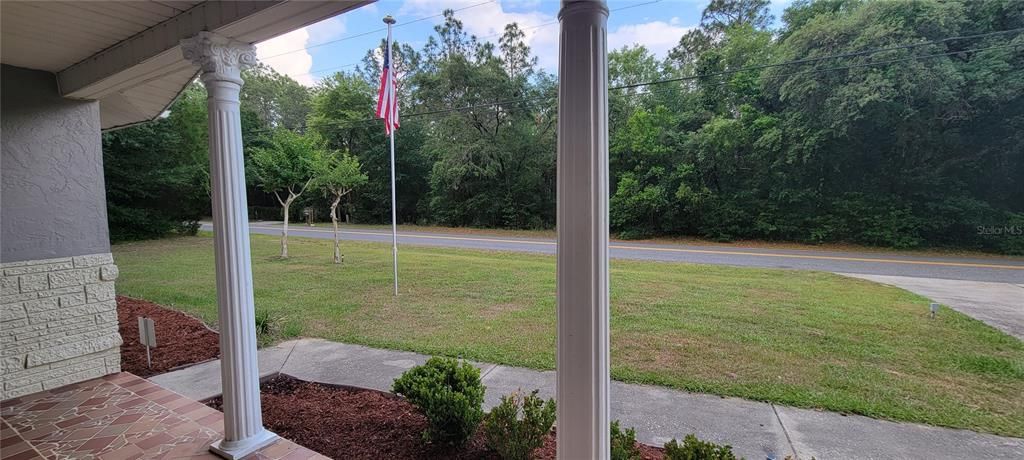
(389, 20)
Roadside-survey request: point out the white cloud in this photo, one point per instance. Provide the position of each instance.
(658, 36)
(281, 52)
(328, 29)
(488, 21)
(296, 64)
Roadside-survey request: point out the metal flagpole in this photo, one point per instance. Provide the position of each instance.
(394, 225)
(391, 129)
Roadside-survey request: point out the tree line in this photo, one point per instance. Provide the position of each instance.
(862, 139)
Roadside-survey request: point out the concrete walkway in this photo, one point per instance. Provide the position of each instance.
(756, 430)
(1000, 305)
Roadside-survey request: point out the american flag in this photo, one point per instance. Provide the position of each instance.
(387, 97)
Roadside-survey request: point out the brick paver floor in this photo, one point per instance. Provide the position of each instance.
(119, 416)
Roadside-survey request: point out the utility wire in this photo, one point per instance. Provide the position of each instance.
(328, 69)
(834, 56)
(495, 105)
(798, 61)
(370, 32)
(348, 123)
(353, 123)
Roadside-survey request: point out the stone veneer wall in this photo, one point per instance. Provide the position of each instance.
(58, 322)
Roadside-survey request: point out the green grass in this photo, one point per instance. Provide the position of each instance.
(798, 338)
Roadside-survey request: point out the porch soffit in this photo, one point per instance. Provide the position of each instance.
(126, 54)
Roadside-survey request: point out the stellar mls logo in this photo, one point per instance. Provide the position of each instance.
(1005, 230)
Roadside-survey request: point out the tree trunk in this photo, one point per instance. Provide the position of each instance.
(284, 231)
(338, 257)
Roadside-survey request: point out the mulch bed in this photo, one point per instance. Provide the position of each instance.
(346, 423)
(181, 339)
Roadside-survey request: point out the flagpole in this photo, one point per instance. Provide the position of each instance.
(394, 220)
(394, 224)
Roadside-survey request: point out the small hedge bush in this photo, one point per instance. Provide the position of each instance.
(514, 437)
(449, 394)
(695, 449)
(624, 443)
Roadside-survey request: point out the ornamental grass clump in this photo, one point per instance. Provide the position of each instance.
(449, 393)
(518, 425)
(695, 449)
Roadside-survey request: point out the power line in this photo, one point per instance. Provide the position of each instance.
(347, 123)
(327, 69)
(827, 69)
(370, 32)
(835, 56)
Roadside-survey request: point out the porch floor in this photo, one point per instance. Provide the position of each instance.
(119, 416)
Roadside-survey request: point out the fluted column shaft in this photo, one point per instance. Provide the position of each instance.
(583, 378)
(221, 61)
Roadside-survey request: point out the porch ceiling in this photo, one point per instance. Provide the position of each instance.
(126, 54)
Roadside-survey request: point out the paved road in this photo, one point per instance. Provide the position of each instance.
(999, 270)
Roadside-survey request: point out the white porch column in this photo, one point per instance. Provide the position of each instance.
(221, 60)
(583, 375)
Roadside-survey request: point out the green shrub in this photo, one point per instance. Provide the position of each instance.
(695, 449)
(189, 227)
(449, 394)
(624, 443)
(514, 438)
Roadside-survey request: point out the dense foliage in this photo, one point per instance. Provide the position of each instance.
(156, 173)
(517, 426)
(910, 146)
(449, 393)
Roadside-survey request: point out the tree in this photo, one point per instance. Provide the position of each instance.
(341, 105)
(493, 165)
(288, 164)
(915, 146)
(156, 173)
(278, 100)
(339, 174)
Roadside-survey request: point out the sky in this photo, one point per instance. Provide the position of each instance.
(339, 43)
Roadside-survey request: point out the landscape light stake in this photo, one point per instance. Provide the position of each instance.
(147, 337)
(934, 307)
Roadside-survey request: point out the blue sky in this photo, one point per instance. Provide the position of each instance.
(656, 24)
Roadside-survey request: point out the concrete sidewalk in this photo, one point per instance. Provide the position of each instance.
(756, 430)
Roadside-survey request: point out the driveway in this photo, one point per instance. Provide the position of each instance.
(1000, 305)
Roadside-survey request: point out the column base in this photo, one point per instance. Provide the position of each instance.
(233, 450)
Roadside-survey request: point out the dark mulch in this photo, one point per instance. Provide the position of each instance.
(181, 339)
(345, 423)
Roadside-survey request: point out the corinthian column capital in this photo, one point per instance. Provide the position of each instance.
(219, 57)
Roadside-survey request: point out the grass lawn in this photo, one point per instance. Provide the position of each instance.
(793, 337)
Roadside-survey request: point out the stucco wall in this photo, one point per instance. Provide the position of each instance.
(58, 316)
(51, 169)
